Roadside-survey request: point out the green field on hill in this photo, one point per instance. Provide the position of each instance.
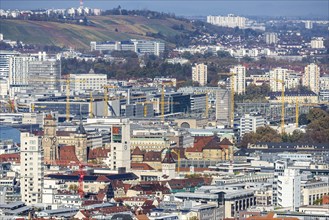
(105, 28)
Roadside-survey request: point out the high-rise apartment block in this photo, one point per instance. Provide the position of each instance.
(317, 43)
(223, 107)
(271, 38)
(308, 24)
(278, 77)
(200, 74)
(239, 79)
(32, 168)
(311, 77)
(230, 20)
(249, 123)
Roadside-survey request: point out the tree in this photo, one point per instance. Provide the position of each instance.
(262, 134)
(302, 119)
(316, 114)
(73, 187)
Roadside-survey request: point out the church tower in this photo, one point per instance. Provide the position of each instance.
(49, 139)
(80, 138)
(169, 165)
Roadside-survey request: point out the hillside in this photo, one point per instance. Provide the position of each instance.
(111, 27)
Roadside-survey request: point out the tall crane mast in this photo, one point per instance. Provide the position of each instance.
(67, 81)
(106, 98)
(282, 104)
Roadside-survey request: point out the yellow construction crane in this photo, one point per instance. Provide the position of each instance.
(178, 160)
(67, 81)
(106, 98)
(163, 100)
(33, 107)
(91, 114)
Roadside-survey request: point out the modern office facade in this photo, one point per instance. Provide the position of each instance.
(138, 46)
(249, 123)
(45, 74)
(90, 81)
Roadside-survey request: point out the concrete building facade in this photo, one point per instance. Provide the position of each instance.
(311, 77)
(32, 168)
(239, 79)
(200, 74)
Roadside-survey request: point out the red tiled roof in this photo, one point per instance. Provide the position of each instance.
(137, 151)
(13, 157)
(168, 157)
(141, 166)
(49, 116)
(67, 153)
(117, 184)
(103, 178)
(142, 217)
(100, 152)
(199, 144)
(225, 142)
(126, 186)
(151, 156)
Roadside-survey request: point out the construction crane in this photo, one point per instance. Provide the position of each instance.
(178, 159)
(67, 81)
(163, 100)
(106, 98)
(81, 177)
(305, 104)
(91, 114)
(33, 106)
(282, 102)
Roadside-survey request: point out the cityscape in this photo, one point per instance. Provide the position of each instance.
(130, 113)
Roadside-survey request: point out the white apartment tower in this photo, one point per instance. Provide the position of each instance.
(308, 24)
(249, 123)
(289, 189)
(277, 76)
(230, 20)
(311, 77)
(32, 168)
(200, 74)
(317, 43)
(239, 79)
(271, 38)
